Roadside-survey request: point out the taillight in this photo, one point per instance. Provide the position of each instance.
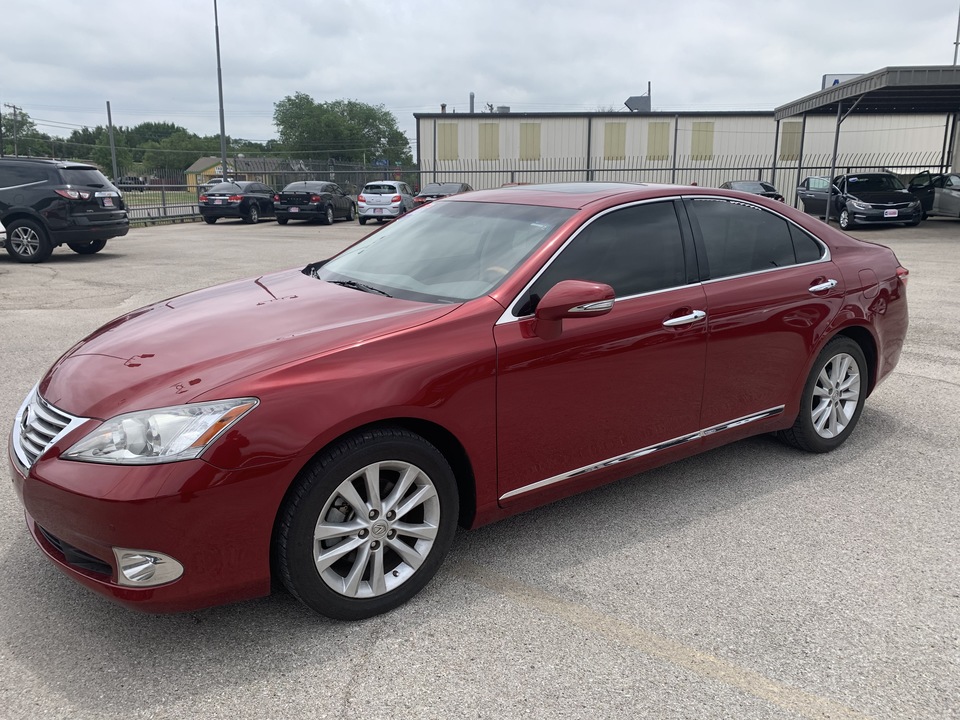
(203, 198)
(396, 198)
(276, 198)
(73, 194)
(903, 274)
(235, 198)
(316, 198)
(361, 198)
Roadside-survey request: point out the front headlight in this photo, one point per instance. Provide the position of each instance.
(861, 205)
(161, 435)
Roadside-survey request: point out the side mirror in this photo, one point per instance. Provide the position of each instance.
(570, 299)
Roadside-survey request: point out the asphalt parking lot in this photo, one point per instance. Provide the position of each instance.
(753, 581)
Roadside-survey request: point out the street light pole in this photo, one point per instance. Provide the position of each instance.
(956, 43)
(223, 134)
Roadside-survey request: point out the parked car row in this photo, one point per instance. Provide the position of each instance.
(870, 198)
(316, 200)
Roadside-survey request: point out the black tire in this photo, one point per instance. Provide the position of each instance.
(327, 217)
(209, 220)
(369, 577)
(252, 215)
(351, 213)
(832, 399)
(363, 221)
(845, 221)
(88, 248)
(27, 241)
(912, 223)
(282, 221)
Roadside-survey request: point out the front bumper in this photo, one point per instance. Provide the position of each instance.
(877, 216)
(216, 523)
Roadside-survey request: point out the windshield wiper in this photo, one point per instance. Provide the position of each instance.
(360, 286)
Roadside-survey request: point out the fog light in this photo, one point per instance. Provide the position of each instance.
(145, 568)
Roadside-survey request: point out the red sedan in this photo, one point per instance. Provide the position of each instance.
(328, 427)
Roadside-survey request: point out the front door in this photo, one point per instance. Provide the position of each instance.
(610, 385)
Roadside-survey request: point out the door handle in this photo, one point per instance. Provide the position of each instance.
(824, 286)
(693, 317)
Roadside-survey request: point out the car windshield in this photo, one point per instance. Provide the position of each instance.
(380, 189)
(751, 187)
(450, 187)
(444, 253)
(873, 183)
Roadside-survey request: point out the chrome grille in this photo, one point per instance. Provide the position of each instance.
(37, 426)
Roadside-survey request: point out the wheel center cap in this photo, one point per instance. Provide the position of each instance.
(379, 529)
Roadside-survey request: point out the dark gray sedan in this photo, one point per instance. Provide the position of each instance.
(870, 198)
(939, 194)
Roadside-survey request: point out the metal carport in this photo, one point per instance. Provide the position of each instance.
(892, 90)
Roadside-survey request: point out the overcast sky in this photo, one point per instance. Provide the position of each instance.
(61, 61)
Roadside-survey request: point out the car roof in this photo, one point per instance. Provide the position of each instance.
(569, 195)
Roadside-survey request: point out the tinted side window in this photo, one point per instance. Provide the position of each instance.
(12, 175)
(740, 238)
(805, 247)
(635, 250)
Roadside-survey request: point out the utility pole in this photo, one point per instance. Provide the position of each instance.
(113, 144)
(223, 134)
(15, 111)
(956, 43)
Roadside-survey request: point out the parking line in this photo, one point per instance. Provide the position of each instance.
(708, 666)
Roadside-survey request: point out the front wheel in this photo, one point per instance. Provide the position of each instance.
(89, 248)
(367, 524)
(846, 221)
(27, 241)
(832, 400)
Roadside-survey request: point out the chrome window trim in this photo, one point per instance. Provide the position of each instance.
(649, 450)
(24, 185)
(507, 316)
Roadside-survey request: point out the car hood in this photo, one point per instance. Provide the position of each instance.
(883, 196)
(174, 351)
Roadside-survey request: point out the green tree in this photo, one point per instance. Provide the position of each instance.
(344, 130)
(103, 158)
(20, 133)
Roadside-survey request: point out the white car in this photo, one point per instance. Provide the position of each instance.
(384, 200)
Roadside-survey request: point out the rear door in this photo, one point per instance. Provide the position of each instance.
(770, 293)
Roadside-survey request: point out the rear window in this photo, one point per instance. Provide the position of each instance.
(303, 186)
(450, 187)
(380, 189)
(430, 188)
(89, 177)
(225, 188)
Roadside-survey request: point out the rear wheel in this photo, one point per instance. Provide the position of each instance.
(351, 213)
(253, 214)
(27, 241)
(209, 220)
(832, 400)
(88, 248)
(327, 217)
(282, 221)
(363, 221)
(367, 524)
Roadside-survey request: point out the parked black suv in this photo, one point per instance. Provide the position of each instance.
(45, 203)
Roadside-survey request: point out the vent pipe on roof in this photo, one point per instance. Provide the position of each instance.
(471, 103)
(443, 108)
